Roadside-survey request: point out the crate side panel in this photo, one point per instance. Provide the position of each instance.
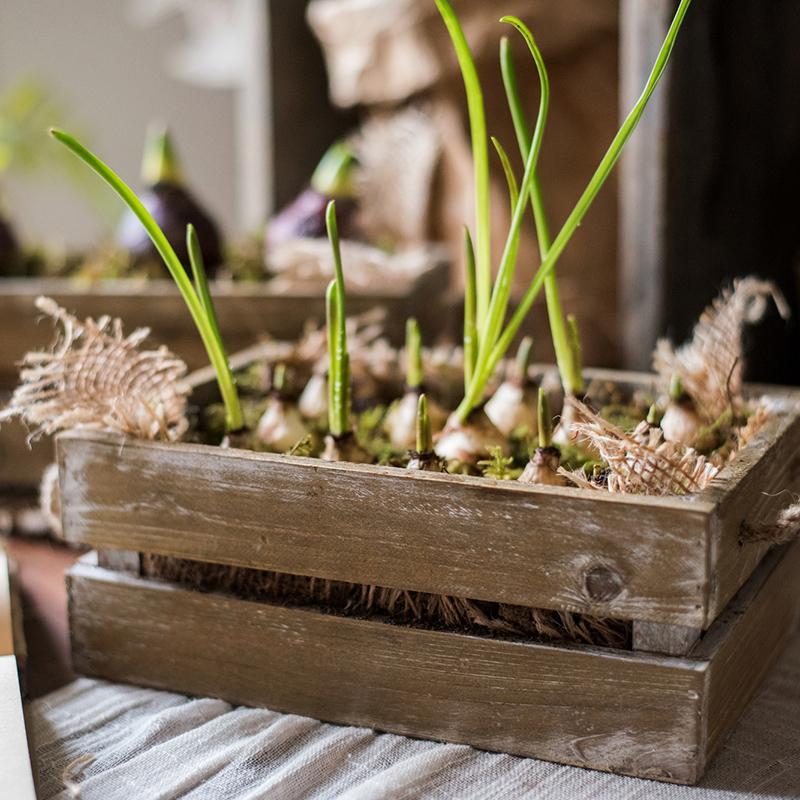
(635, 715)
(761, 481)
(747, 638)
(554, 548)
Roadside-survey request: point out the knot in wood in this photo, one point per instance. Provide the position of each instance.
(602, 583)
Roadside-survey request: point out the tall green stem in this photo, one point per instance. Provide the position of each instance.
(485, 368)
(480, 159)
(470, 324)
(205, 326)
(571, 375)
(339, 367)
(505, 273)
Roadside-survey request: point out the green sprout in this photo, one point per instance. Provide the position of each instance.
(414, 372)
(339, 369)
(334, 176)
(424, 435)
(197, 297)
(499, 466)
(160, 161)
(523, 358)
(544, 419)
(494, 333)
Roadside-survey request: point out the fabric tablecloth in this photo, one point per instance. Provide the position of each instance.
(111, 742)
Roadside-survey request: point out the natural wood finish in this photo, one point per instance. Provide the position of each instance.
(613, 711)
(445, 534)
(747, 638)
(672, 561)
(643, 183)
(673, 640)
(640, 714)
(246, 312)
(762, 480)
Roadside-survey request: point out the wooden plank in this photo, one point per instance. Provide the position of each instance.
(763, 479)
(746, 639)
(16, 776)
(246, 312)
(633, 714)
(546, 547)
(673, 640)
(643, 183)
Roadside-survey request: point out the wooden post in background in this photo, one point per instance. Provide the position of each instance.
(705, 176)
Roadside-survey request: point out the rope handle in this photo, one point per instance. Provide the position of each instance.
(784, 528)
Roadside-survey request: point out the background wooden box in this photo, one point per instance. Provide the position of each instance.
(246, 312)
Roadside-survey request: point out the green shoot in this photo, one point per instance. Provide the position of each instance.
(424, 435)
(339, 369)
(205, 323)
(335, 173)
(470, 324)
(279, 378)
(571, 375)
(492, 349)
(544, 419)
(414, 373)
(523, 359)
(499, 466)
(160, 161)
(675, 387)
(480, 159)
(575, 349)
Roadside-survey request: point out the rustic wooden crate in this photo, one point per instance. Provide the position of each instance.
(641, 714)
(670, 565)
(246, 311)
(660, 560)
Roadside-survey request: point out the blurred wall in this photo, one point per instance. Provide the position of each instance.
(110, 77)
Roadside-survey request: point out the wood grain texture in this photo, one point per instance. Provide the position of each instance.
(673, 561)
(747, 638)
(499, 541)
(673, 640)
(762, 480)
(246, 312)
(633, 714)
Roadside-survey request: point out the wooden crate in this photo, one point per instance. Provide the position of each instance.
(246, 312)
(648, 715)
(670, 566)
(665, 560)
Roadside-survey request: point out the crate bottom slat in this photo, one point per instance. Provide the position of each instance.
(637, 714)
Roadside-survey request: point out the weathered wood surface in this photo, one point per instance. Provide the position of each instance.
(762, 480)
(613, 711)
(747, 638)
(672, 640)
(545, 547)
(666, 560)
(246, 312)
(635, 713)
(694, 212)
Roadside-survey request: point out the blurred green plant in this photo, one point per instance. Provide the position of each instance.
(28, 109)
